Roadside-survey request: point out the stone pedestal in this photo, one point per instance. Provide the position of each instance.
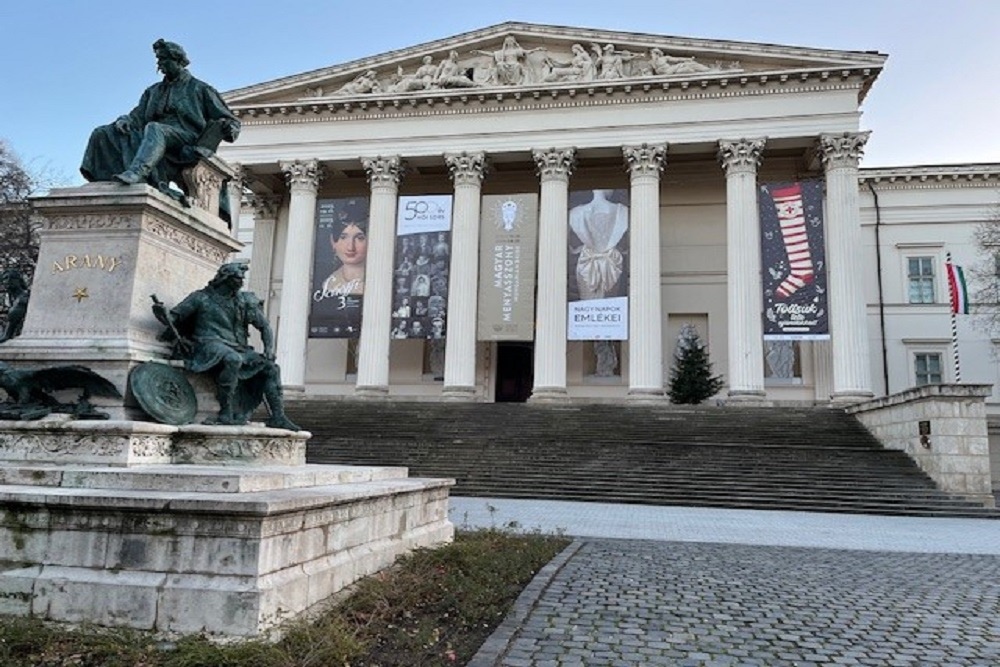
(191, 529)
(105, 248)
(101, 525)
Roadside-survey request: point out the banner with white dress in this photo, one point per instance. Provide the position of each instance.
(508, 237)
(340, 256)
(597, 293)
(422, 267)
(793, 254)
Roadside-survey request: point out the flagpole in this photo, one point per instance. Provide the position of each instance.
(954, 320)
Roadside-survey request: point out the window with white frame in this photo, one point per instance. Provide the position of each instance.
(927, 368)
(920, 279)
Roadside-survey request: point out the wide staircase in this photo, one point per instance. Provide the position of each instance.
(810, 459)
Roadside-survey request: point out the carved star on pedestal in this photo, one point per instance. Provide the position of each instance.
(80, 294)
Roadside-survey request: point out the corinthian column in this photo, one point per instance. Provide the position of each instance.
(234, 195)
(303, 180)
(743, 288)
(467, 171)
(554, 169)
(265, 216)
(645, 329)
(384, 175)
(848, 311)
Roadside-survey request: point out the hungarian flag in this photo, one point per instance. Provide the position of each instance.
(958, 289)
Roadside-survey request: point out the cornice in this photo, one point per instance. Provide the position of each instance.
(984, 175)
(555, 96)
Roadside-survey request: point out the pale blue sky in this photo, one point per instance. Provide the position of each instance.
(68, 66)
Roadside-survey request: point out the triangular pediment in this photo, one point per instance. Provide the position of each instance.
(521, 56)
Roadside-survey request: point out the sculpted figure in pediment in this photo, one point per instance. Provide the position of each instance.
(509, 63)
(665, 65)
(580, 68)
(364, 83)
(612, 63)
(450, 74)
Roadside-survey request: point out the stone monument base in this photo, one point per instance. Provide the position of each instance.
(103, 523)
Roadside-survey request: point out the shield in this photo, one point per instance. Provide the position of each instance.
(164, 393)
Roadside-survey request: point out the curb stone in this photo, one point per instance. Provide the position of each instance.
(496, 645)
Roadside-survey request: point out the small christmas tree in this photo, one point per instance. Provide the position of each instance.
(691, 379)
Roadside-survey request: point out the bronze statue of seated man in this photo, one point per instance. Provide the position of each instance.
(210, 330)
(177, 121)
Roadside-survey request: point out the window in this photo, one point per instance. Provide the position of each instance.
(927, 366)
(920, 277)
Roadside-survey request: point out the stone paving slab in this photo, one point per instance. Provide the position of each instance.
(703, 524)
(627, 602)
(716, 587)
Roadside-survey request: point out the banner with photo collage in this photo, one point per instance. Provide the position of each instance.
(508, 236)
(597, 293)
(423, 262)
(793, 255)
(340, 255)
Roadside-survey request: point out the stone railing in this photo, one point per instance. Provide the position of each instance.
(943, 428)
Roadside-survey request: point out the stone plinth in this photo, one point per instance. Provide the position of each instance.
(107, 530)
(105, 248)
(955, 453)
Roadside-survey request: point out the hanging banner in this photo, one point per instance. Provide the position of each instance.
(508, 237)
(597, 293)
(339, 258)
(423, 261)
(793, 254)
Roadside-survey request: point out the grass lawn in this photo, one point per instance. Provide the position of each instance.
(434, 607)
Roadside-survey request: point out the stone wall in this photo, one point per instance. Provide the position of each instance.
(943, 428)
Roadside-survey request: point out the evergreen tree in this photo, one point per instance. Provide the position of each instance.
(691, 379)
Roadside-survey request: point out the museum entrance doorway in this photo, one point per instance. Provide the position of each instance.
(515, 371)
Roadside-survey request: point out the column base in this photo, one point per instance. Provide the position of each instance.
(645, 395)
(293, 391)
(549, 395)
(371, 392)
(850, 397)
(459, 393)
(747, 397)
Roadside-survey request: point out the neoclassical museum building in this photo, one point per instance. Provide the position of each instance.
(533, 212)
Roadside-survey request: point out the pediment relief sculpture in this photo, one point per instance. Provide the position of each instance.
(513, 65)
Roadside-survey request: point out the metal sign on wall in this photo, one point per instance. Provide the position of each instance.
(793, 254)
(508, 238)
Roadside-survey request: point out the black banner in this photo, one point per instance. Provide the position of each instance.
(339, 260)
(793, 254)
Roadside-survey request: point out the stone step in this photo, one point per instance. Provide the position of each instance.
(195, 478)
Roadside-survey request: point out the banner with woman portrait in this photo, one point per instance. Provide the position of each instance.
(793, 254)
(422, 267)
(597, 293)
(340, 255)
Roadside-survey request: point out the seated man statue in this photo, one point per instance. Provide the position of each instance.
(210, 329)
(176, 121)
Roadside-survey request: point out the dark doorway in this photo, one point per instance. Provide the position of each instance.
(515, 371)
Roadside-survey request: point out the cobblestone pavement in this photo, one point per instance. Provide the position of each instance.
(631, 602)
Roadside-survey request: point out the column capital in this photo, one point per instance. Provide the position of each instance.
(384, 170)
(265, 207)
(645, 159)
(302, 174)
(741, 156)
(241, 175)
(555, 164)
(842, 150)
(467, 168)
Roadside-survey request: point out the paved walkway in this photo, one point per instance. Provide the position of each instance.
(695, 586)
